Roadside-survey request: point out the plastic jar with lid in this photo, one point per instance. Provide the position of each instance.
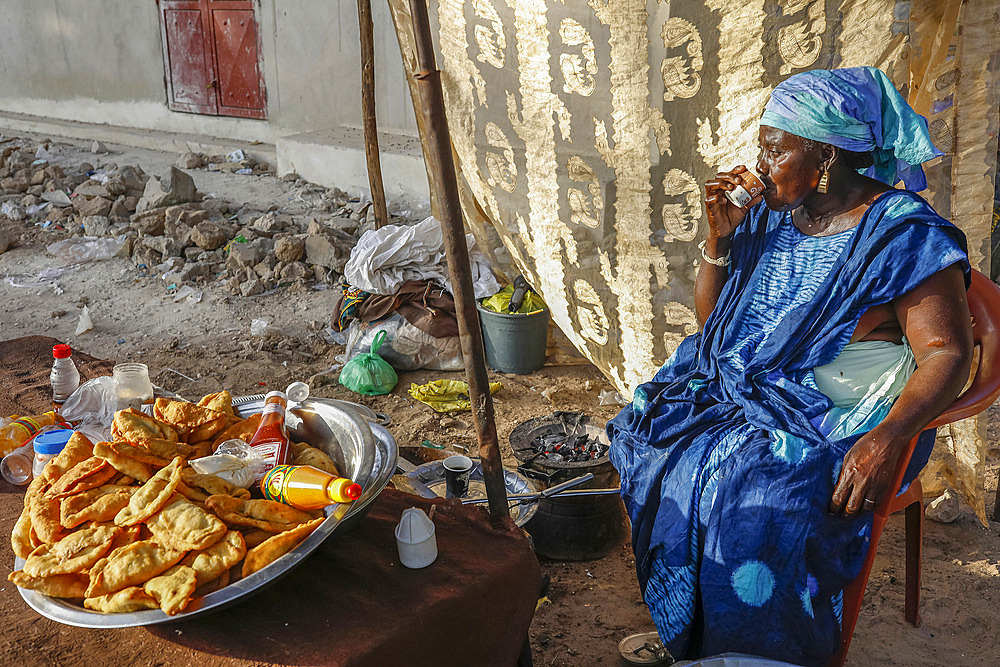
(47, 445)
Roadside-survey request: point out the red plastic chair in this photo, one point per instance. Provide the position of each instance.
(984, 303)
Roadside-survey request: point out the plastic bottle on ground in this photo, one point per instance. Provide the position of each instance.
(308, 488)
(64, 376)
(15, 467)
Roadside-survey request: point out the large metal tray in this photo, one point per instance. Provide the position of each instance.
(364, 451)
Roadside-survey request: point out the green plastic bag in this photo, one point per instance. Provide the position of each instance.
(368, 373)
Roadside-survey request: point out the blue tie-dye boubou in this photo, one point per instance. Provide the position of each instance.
(726, 467)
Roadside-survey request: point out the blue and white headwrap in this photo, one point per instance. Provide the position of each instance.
(857, 109)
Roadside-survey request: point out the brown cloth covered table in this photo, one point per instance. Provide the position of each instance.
(350, 603)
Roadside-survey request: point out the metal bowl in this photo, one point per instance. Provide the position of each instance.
(432, 476)
(364, 452)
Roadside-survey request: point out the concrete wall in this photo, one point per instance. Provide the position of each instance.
(101, 61)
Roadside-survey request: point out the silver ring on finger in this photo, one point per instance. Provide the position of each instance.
(868, 505)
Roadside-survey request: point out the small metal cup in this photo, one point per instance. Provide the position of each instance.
(457, 471)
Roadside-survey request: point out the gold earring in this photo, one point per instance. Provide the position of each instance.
(824, 182)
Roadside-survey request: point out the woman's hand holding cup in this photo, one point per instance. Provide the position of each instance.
(722, 195)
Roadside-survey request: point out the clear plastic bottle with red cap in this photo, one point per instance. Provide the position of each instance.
(271, 438)
(64, 376)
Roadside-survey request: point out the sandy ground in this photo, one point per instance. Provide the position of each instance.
(196, 348)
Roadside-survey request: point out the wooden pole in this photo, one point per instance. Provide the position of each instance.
(445, 184)
(368, 112)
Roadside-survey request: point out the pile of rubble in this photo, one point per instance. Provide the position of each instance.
(173, 231)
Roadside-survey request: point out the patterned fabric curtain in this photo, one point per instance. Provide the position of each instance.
(583, 132)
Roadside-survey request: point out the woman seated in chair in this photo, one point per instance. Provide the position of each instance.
(834, 329)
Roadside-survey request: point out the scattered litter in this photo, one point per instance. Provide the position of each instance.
(85, 324)
(334, 337)
(84, 249)
(181, 374)
(98, 147)
(261, 327)
(37, 208)
(609, 397)
(237, 239)
(446, 395)
(245, 171)
(236, 156)
(547, 393)
(12, 211)
(188, 292)
(44, 154)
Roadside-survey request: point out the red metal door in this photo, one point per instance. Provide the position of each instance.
(211, 53)
(187, 50)
(241, 87)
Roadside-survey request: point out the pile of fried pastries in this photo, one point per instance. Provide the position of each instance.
(128, 525)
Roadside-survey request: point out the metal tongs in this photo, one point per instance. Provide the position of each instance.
(563, 489)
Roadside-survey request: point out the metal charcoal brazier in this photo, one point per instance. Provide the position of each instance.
(570, 528)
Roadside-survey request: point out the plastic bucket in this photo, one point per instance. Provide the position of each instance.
(514, 343)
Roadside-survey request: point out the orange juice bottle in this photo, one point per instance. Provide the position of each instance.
(307, 488)
(21, 430)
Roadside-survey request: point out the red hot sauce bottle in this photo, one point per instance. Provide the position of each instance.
(271, 438)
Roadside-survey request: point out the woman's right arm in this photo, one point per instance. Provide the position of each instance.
(723, 219)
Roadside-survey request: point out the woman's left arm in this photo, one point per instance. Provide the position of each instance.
(935, 318)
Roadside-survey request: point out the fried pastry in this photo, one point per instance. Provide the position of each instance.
(126, 600)
(131, 565)
(274, 548)
(78, 449)
(192, 423)
(123, 464)
(100, 504)
(264, 514)
(213, 562)
(304, 455)
(56, 586)
(74, 553)
(241, 430)
(184, 526)
(131, 425)
(87, 474)
(151, 496)
(173, 588)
